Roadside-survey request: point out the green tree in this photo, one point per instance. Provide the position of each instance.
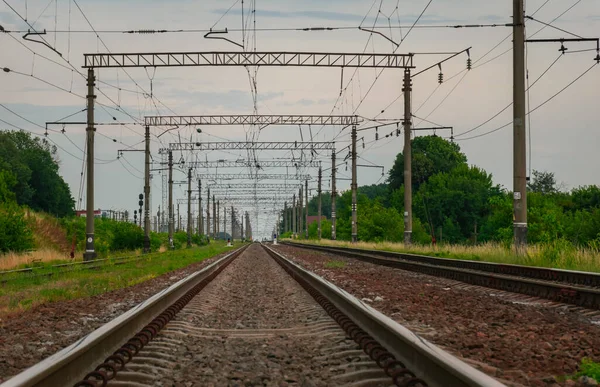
(430, 155)
(7, 183)
(542, 182)
(458, 200)
(34, 163)
(15, 233)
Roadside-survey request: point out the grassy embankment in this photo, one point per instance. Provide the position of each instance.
(26, 292)
(553, 255)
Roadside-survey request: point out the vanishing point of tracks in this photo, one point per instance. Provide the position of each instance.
(252, 318)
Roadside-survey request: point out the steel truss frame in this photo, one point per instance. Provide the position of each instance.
(245, 163)
(253, 186)
(252, 119)
(264, 58)
(272, 176)
(242, 145)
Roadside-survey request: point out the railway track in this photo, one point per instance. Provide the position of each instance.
(565, 286)
(242, 321)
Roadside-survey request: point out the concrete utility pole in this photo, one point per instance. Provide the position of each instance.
(285, 217)
(232, 223)
(306, 209)
(224, 220)
(319, 199)
(519, 133)
(300, 212)
(189, 220)
(215, 218)
(200, 225)
(147, 193)
(178, 219)
(208, 212)
(354, 188)
(218, 219)
(90, 251)
(333, 195)
(294, 224)
(407, 90)
(171, 212)
(242, 228)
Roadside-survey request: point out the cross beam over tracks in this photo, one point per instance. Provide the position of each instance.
(225, 176)
(242, 145)
(253, 186)
(252, 119)
(258, 164)
(224, 58)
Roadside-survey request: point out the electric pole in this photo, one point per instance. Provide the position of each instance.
(232, 223)
(333, 195)
(319, 212)
(147, 193)
(294, 210)
(178, 219)
(208, 212)
(306, 209)
(354, 187)
(90, 251)
(189, 211)
(171, 209)
(519, 134)
(407, 90)
(224, 221)
(218, 219)
(215, 218)
(285, 217)
(200, 225)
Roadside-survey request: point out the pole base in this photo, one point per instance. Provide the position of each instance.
(89, 255)
(354, 238)
(520, 238)
(146, 248)
(408, 237)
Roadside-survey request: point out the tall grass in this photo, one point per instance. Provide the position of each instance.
(559, 254)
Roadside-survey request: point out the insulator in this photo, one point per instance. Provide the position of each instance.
(562, 48)
(469, 66)
(376, 134)
(440, 78)
(597, 58)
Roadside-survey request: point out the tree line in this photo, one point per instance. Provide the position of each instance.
(455, 202)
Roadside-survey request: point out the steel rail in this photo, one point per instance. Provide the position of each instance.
(571, 287)
(69, 365)
(424, 359)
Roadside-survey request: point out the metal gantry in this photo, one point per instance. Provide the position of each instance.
(255, 164)
(244, 176)
(244, 145)
(264, 58)
(253, 119)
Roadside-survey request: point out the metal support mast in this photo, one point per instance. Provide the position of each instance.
(147, 193)
(218, 219)
(90, 251)
(285, 218)
(171, 214)
(189, 211)
(232, 224)
(407, 89)
(319, 211)
(294, 224)
(354, 188)
(200, 225)
(306, 209)
(208, 212)
(215, 218)
(224, 220)
(333, 196)
(519, 133)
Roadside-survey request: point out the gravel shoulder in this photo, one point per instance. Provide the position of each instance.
(522, 343)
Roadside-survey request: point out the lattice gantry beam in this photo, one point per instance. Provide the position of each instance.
(273, 176)
(181, 59)
(255, 186)
(261, 120)
(256, 164)
(255, 200)
(242, 145)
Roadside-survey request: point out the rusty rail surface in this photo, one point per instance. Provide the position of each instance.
(570, 287)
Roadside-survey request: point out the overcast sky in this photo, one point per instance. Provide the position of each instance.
(564, 131)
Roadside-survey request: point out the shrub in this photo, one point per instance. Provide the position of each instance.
(15, 234)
